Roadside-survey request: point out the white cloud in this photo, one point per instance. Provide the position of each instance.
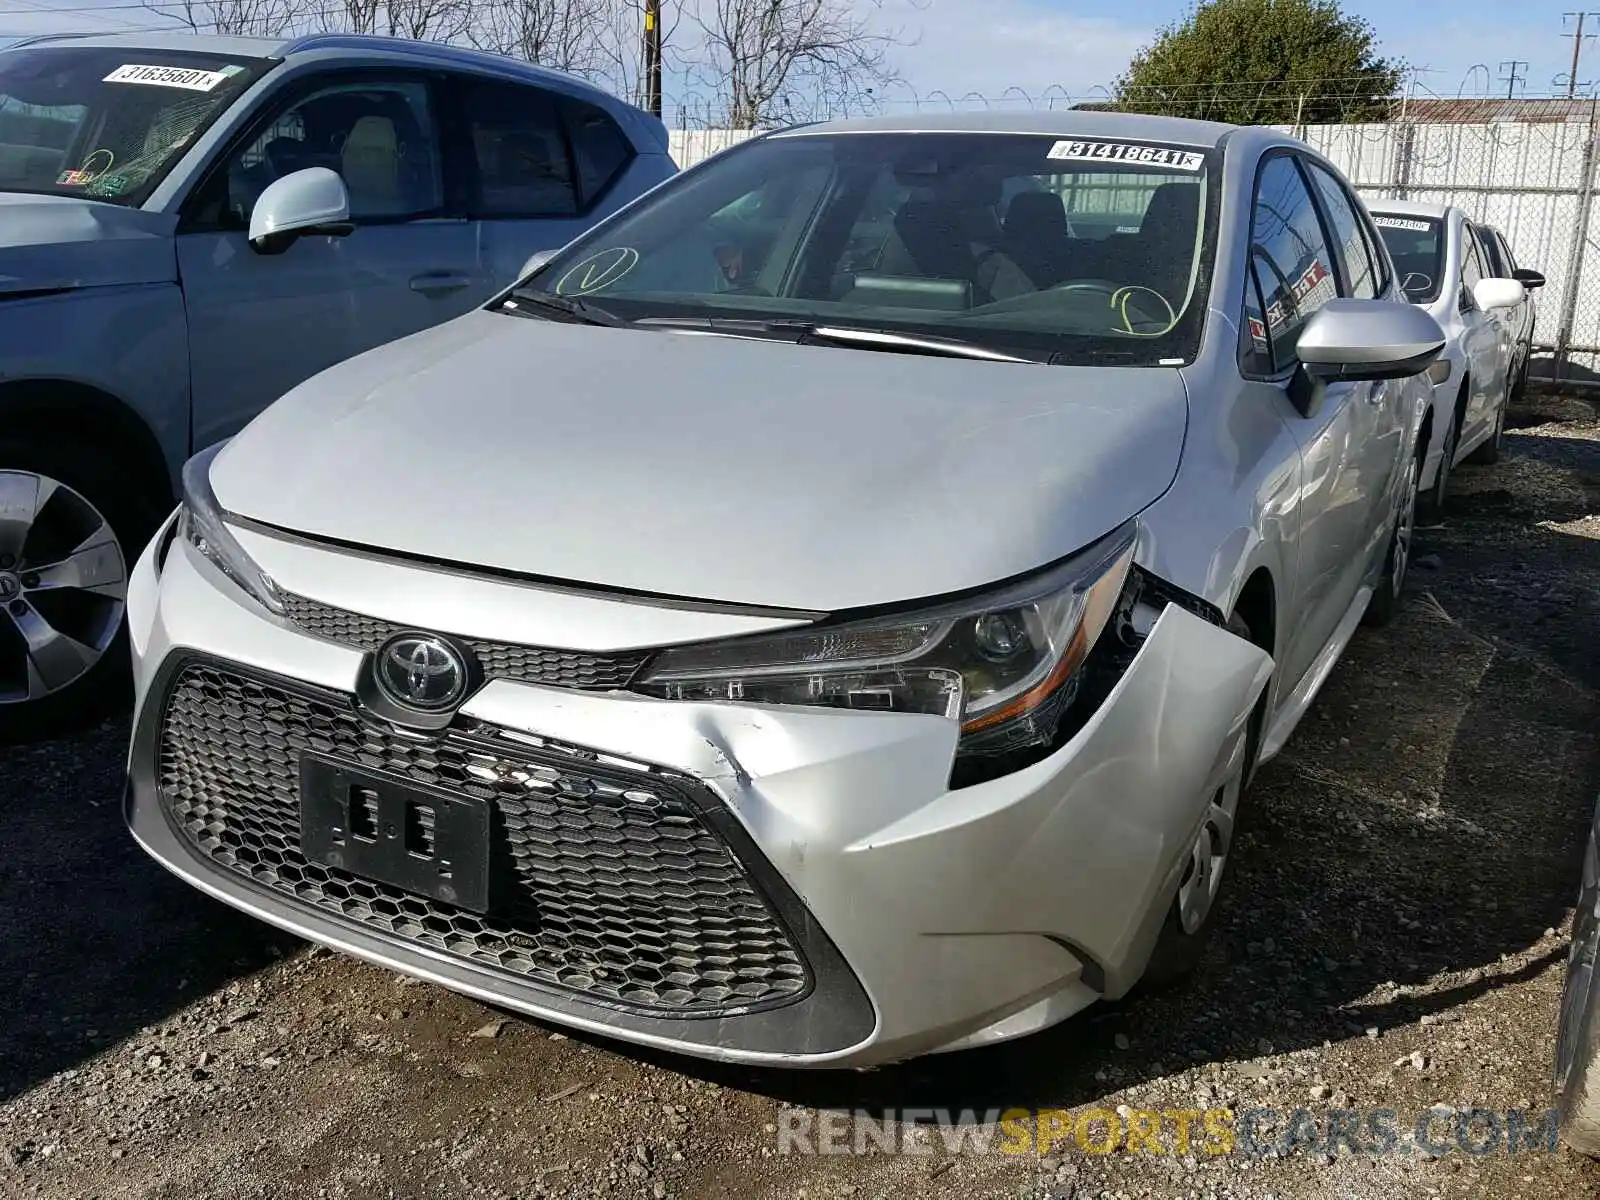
(988, 46)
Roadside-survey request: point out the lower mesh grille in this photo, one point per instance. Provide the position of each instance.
(607, 881)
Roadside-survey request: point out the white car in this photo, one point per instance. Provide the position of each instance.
(1441, 268)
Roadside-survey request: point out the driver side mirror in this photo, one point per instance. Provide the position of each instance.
(1360, 340)
(312, 201)
(535, 261)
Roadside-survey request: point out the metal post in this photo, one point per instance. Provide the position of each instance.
(1580, 244)
(652, 57)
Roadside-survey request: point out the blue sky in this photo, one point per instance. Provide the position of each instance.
(988, 46)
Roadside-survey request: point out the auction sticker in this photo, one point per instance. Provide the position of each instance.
(188, 78)
(1402, 223)
(1128, 154)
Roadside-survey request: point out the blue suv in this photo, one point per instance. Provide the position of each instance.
(190, 226)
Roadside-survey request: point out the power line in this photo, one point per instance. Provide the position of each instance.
(1577, 36)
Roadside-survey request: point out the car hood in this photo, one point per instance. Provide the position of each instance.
(705, 467)
(52, 243)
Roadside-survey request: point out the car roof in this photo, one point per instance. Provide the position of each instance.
(1410, 208)
(434, 53)
(1057, 122)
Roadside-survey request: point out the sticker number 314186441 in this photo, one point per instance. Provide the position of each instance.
(1129, 154)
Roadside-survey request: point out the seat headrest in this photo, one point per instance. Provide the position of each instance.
(1035, 213)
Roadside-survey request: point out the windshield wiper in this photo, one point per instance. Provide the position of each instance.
(562, 308)
(803, 333)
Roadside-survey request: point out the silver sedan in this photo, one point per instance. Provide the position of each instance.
(827, 614)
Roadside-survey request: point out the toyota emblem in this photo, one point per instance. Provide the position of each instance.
(421, 671)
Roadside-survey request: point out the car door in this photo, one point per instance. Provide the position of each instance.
(1293, 273)
(539, 167)
(1520, 318)
(1485, 341)
(261, 323)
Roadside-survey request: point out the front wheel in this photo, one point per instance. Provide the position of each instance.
(70, 528)
(1385, 600)
(1489, 452)
(1191, 918)
(1577, 1052)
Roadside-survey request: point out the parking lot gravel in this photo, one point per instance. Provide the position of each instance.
(1393, 938)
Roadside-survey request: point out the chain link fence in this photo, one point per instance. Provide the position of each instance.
(1527, 168)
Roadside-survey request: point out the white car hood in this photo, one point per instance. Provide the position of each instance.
(55, 243)
(710, 468)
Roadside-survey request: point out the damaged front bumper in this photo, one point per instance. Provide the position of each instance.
(929, 919)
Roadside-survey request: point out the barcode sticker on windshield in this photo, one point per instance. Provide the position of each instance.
(1400, 223)
(187, 78)
(1129, 153)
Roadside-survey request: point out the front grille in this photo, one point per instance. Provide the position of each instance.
(500, 660)
(606, 880)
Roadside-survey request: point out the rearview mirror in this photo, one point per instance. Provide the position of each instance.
(537, 260)
(1528, 277)
(1368, 339)
(304, 202)
(1490, 294)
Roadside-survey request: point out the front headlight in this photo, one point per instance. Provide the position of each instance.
(200, 524)
(1005, 664)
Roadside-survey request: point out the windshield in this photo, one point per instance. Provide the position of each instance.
(1076, 251)
(107, 124)
(1417, 246)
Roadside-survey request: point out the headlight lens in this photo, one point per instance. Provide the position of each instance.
(1004, 664)
(200, 524)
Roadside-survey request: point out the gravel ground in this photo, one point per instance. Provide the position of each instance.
(1393, 937)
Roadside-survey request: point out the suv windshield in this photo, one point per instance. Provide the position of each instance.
(107, 124)
(1085, 251)
(1417, 246)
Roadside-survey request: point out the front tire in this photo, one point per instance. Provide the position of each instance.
(1192, 915)
(1489, 452)
(71, 527)
(1577, 1051)
(1432, 502)
(1385, 602)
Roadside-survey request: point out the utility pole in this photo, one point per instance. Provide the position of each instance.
(1513, 78)
(1577, 36)
(652, 57)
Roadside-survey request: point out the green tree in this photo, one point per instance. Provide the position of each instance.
(1263, 62)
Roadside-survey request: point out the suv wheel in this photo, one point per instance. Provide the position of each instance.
(70, 528)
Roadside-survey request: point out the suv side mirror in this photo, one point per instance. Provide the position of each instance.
(1490, 294)
(1363, 339)
(1528, 277)
(535, 261)
(303, 202)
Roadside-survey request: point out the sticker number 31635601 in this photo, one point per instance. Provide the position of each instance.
(188, 78)
(1128, 153)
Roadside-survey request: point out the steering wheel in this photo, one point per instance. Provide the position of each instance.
(1120, 296)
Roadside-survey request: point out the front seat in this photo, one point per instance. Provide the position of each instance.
(369, 160)
(1038, 237)
(1163, 254)
(934, 238)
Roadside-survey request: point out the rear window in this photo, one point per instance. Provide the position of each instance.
(1417, 246)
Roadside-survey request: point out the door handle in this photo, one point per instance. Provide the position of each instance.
(439, 283)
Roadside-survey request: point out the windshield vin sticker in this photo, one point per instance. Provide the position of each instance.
(1130, 153)
(1400, 223)
(176, 77)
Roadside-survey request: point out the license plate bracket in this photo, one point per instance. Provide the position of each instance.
(422, 840)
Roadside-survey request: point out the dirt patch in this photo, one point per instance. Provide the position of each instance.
(1392, 938)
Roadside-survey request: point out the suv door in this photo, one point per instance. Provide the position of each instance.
(539, 165)
(1294, 271)
(260, 324)
(1486, 342)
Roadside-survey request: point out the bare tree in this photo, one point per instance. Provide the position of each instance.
(566, 35)
(250, 18)
(771, 61)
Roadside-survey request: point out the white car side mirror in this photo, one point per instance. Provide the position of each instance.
(303, 202)
(1490, 294)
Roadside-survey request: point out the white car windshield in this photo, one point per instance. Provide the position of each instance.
(107, 124)
(1417, 246)
(1074, 250)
